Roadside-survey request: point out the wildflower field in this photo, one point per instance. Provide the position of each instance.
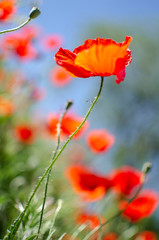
(79, 120)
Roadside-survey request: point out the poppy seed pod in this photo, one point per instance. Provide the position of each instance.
(34, 13)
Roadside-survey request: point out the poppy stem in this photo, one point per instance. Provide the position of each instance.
(49, 173)
(34, 13)
(120, 212)
(15, 226)
(16, 28)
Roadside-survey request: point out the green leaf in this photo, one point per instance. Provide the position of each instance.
(31, 237)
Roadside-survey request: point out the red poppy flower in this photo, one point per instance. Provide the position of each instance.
(60, 77)
(20, 44)
(70, 123)
(25, 134)
(110, 236)
(52, 42)
(52, 122)
(6, 107)
(146, 235)
(125, 179)
(90, 219)
(7, 8)
(89, 185)
(99, 141)
(99, 57)
(142, 206)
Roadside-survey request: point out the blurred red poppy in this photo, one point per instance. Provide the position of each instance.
(91, 219)
(146, 235)
(7, 8)
(125, 179)
(70, 123)
(89, 185)
(25, 134)
(110, 236)
(60, 77)
(99, 57)
(52, 42)
(20, 44)
(142, 206)
(6, 107)
(100, 140)
(52, 121)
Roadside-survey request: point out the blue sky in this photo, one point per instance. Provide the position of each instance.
(71, 19)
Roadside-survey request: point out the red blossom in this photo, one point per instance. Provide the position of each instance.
(100, 140)
(146, 235)
(52, 121)
(70, 123)
(52, 42)
(99, 57)
(20, 44)
(86, 183)
(125, 179)
(6, 107)
(142, 206)
(7, 8)
(25, 134)
(91, 219)
(110, 236)
(60, 77)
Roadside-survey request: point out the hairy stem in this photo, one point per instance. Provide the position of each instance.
(48, 176)
(14, 228)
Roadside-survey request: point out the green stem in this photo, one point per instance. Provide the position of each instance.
(18, 221)
(16, 28)
(48, 176)
(120, 212)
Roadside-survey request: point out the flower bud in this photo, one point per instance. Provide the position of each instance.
(146, 167)
(34, 13)
(68, 104)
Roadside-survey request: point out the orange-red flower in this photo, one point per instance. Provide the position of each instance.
(60, 77)
(91, 219)
(52, 42)
(99, 57)
(110, 236)
(51, 124)
(89, 185)
(142, 206)
(146, 235)
(25, 134)
(6, 107)
(99, 140)
(20, 44)
(70, 123)
(7, 8)
(125, 179)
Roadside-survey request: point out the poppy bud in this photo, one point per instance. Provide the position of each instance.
(34, 13)
(69, 104)
(146, 167)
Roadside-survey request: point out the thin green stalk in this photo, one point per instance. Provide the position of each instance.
(120, 212)
(52, 230)
(14, 228)
(34, 13)
(48, 176)
(16, 28)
